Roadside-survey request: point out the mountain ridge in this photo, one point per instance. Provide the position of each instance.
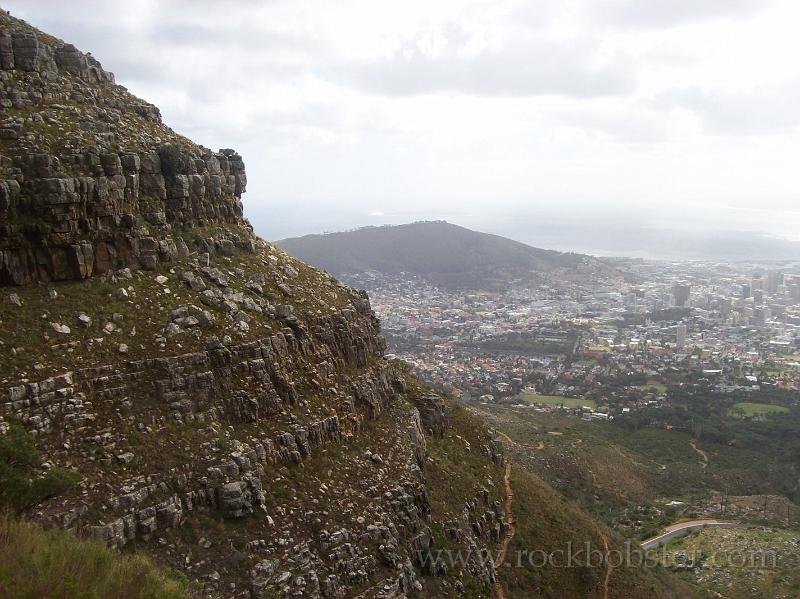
(443, 253)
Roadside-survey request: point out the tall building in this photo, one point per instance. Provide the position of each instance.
(680, 293)
(774, 278)
(680, 336)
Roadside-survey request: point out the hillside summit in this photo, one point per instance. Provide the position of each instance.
(227, 409)
(442, 253)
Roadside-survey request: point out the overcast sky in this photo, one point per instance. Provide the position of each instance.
(507, 116)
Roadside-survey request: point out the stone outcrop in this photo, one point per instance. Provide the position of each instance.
(90, 178)
(24, 50)
(57, 228)
(433, 414)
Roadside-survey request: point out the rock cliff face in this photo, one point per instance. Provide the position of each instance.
(90, 178)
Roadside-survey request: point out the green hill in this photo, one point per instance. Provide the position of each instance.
(443, 253)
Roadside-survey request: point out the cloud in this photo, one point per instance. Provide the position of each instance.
(661, 14)
(619, 123)
(531, 67)
(248, 38)
(767, 110)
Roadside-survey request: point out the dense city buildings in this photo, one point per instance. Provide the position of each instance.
(629, 339)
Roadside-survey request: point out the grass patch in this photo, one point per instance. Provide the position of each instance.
(49, 563)
(557, 401)
(750, 410)
(458, 468)
(656, 388)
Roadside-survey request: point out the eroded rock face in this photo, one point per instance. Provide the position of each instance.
(90, 178)
(57, 228)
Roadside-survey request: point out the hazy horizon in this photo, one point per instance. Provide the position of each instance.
(602, 127)
(647, 243)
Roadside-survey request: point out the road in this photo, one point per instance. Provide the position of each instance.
(680, 529)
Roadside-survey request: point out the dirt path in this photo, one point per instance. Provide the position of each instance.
(703, 454)
(508, 439)
(499, 590)
(609, 567)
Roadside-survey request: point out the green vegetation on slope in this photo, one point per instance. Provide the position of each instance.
(29, 341)
(38, 563)
(550, 527)
(627, 477)
(738, 563)
(20, 489)
(545, 519)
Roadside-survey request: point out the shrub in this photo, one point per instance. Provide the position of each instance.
(170, 156)
(19, 488)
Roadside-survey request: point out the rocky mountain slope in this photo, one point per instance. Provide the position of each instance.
(442, 253)
(228, 408)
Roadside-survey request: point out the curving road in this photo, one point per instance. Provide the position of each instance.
(680, 529)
